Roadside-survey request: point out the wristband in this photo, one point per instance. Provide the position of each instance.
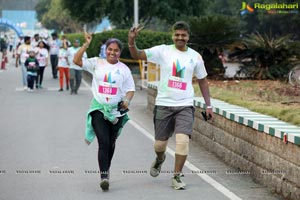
(131, 45)
(209, 107)
(126, 100)
(85, 45)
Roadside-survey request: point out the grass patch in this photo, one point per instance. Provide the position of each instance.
(265, 97)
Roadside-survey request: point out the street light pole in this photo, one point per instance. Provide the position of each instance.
(136, 13)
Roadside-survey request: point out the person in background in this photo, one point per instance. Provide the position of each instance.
(63, 66)
(10, 43)
(42, 55)
(32, 66)
(4, 59)
(174, 111)
(75, 70)
(64, 38)
(113, 88)
(102, 53)
(35, 40)
(22, 55)
(54, 44)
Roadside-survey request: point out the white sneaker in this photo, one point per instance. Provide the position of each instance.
(25, 87)
(177, 183)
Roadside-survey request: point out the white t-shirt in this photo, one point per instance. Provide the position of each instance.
(110, 82)
(23, 51)
(71, 52)
(34, 43)
(42, 56)
(54, 46)
(176, 74)
(62, 58)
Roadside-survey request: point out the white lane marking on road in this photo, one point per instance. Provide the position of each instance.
(192, 167)
(86, 84)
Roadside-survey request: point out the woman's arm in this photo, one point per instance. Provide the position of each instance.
(78, 56)
(126, 100)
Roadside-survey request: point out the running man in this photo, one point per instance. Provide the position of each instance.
(174, 111)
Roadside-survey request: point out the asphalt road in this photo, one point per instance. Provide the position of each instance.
(43, 155)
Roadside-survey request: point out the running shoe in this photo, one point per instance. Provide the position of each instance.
(156, 167)
(104, 185)
(177, 183)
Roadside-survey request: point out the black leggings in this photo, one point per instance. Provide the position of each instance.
(106, 134)
(39, 77)
(54, 63)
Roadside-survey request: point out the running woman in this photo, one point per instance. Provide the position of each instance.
(113, 88)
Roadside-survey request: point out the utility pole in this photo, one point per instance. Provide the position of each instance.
(136, 12)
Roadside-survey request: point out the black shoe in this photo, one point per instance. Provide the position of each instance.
(67, 88)
(72, 92)
(75, 92)
(60, 90)
(104, 185)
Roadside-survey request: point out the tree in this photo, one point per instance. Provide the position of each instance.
(224, 7)
(41, 8)
(52, 16)
(89, 12)
(210, 35)
(120, 12)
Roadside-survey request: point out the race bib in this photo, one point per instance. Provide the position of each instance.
(106, 88)
(175, 82)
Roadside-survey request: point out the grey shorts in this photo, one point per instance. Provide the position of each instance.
(169, 120)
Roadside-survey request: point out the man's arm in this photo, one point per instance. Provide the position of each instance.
(127, 99)
(203, 85)
(134, 51)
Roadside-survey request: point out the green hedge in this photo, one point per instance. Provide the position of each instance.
(145, 39)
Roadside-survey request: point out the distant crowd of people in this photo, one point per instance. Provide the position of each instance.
(33, 54)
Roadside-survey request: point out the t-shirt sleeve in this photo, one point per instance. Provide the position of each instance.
(84, 55)
(128, 81)
(89, 64)
(153, 54)
(200, 71)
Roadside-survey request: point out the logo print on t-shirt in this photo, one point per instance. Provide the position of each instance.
(177, 70)
(108, 79)
(117, 72)
(176, 80)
